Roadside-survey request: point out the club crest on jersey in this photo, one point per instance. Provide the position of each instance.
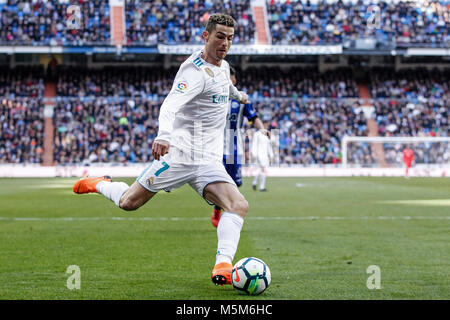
(209, 72)
(150, 180)
(182, 86)
(217, 98)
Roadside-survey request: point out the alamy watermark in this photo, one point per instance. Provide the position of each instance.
(74, 280)
(374, 281)
(237, 146)
(373, 14)
(73, 21)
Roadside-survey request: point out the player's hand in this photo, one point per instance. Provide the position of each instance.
(160, 148)
(244, 98)
(265, 132)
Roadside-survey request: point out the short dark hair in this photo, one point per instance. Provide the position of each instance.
(219, 18)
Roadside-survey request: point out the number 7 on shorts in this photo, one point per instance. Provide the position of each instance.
(164, 168)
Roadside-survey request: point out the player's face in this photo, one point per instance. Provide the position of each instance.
(218, 42)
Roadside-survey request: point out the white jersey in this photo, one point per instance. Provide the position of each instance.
(192, 117)
(261, 149)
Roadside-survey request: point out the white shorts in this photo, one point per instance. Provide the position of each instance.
(166, 175)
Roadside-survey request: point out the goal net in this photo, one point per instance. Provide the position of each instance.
(387, 152)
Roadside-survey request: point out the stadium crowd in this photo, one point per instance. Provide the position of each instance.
(21, 130)
(110, 114)
(404, 84)
(122, 130)
(173, 22)
(401, 118)
(116, 82)
(104, 130)
(298, 82)
(326, 22)
(38, 22)
(22, 82)
(155, 82)
(311, 132)
(428, 118)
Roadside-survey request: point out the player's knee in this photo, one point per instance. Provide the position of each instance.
(128, 205)
(240, 207)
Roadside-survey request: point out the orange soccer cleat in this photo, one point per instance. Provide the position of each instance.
(221, 273)
(87, 185)
(216, 217)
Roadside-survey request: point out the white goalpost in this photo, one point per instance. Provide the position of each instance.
(387, 152)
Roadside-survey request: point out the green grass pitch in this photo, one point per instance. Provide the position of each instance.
(317, 235)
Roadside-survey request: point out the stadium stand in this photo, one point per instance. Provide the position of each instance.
(21, 134)
(173, 22)
(118, 81)
(106, 107)
(21, 82)
(101, 113)
(305, 22)
(104, 130)
(45, 23)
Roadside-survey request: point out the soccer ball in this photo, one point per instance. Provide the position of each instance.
(250, 276)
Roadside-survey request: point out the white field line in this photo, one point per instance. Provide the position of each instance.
(312, 218)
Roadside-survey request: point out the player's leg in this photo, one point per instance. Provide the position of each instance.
(255, 180)
(135, 197)
(235, 207)
(215, 217)
(123, 196)
(262, 184)
(235, 172)
(408, 166)
(215, 185)
(259, 178)
(155, 177)
(217, 211)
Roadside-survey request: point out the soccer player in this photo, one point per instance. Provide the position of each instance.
(263, 154)
(189, 144)
(233, 150)
(408, 158)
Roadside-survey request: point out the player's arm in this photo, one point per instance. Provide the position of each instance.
(240, 96)
(258, 124)
(269, 147)
(188, 83)
(252, 116)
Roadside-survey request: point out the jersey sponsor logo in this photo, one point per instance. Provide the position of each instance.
(217, 98)
(182, 86)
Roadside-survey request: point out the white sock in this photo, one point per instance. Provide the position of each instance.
(260, 175)
(228, 234)
(263, 181)
(112, 190)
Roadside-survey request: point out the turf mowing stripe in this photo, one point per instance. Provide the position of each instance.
(207, 218)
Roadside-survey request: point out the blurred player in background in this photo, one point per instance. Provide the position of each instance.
(263, 154)
(189, 144)
(408, 158)
(233, 149)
